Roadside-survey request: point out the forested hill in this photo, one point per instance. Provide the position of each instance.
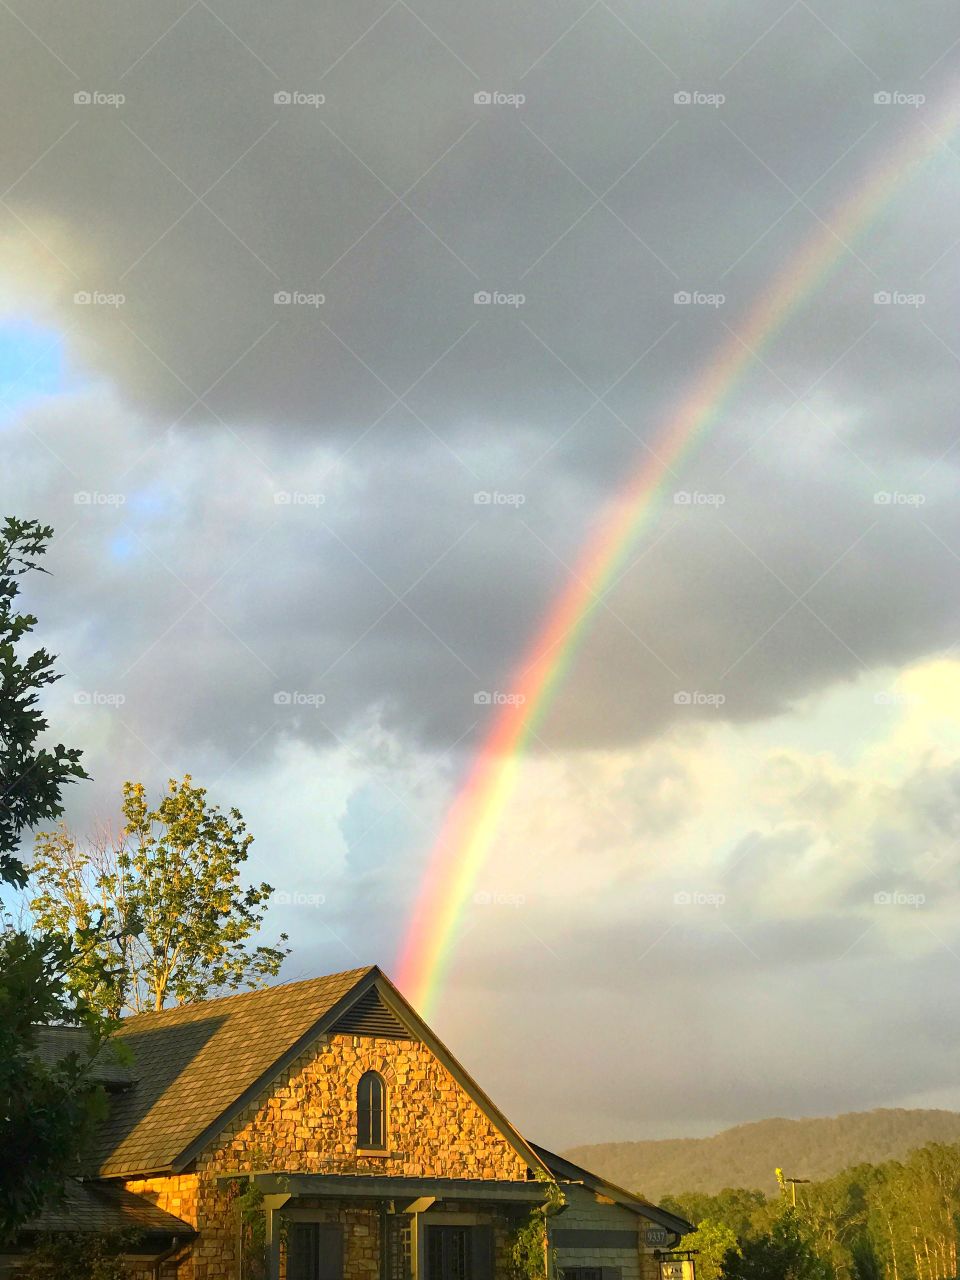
(747, 1155)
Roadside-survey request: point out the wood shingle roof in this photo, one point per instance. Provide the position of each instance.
(194, 1064)
(100, 1208)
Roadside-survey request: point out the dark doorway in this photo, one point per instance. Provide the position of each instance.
(448, 1253)
(459, 1253)
(314, 1251)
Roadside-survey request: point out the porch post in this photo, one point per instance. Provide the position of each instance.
(272, 1205)
(417, 1268)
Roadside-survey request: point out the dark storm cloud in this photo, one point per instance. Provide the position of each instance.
(399, 198)
(269, 540)
(398, 398)
(379, 582)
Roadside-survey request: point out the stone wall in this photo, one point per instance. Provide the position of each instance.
(361, 1235)
(306, 1122)
(177, 1194)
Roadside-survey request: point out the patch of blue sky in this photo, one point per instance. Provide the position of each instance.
(123, 547)
(33, 364)
(377, 829)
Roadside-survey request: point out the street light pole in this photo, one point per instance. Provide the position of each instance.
(793, 1188)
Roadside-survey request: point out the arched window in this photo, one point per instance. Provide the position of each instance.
(371, 1111)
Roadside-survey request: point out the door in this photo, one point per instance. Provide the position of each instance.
(314, 1251)
(459, 1253)
(448, 1253)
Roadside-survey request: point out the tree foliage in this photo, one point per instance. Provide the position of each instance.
(80, 1256)
(175, 922)
(898, 1220)
(31, 775)
(528, 1248)
(246, 1201)
(786, 1252)
(746, 1213)
(46, 1110)
(712, 1242)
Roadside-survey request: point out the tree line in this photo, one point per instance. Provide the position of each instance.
(746, 1155)
(897, 1220)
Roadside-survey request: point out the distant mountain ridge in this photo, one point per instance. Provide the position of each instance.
(746, 1155)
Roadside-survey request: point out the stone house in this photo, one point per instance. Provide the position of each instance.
(320, 1131)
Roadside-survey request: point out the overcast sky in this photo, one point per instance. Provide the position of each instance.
(244, 375)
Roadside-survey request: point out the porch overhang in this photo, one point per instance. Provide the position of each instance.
(411, 1197)
(402, 1191)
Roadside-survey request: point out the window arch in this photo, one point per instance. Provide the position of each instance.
(371, 1111)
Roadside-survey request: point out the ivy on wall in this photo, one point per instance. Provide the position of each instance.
(529, 1253)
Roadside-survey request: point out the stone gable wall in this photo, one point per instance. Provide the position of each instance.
(305, 1121)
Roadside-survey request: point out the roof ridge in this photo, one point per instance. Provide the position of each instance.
(196, 1005)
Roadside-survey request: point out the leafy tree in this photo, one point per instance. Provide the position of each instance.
(175, 920)
(692, 1205)
(835, 1213)
(748, 1214)
(46, 1111)
(785, 1253)
(80, 1256)
(31, 776)
(864, 1261)
(899, 1220)
(529, 1254)
(713, 1241)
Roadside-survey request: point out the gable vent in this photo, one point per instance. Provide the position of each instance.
(369, 1016)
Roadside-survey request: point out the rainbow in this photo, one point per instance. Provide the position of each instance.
(471, 825)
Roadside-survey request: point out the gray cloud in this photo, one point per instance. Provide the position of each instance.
(293, 578)
(718, 1036)
(381, 584)
(201, 197)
